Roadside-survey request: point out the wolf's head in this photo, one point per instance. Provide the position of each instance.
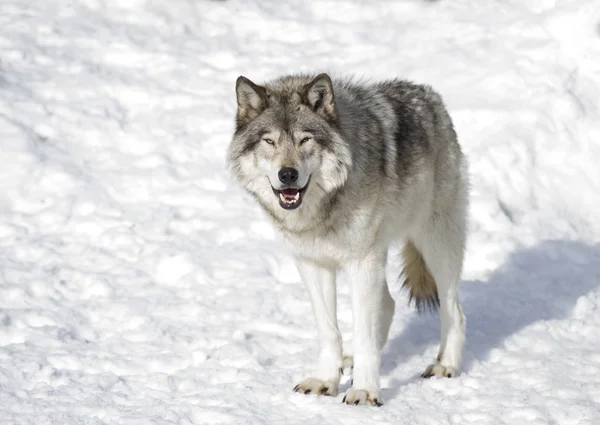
(287, 148)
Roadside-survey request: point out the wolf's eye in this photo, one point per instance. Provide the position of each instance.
(269, 141)
(306, 139)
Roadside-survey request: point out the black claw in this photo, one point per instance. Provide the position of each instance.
(449, 375)
(324, 390)
(341, 370)
(307, 392)
(378, 404)
(296, 388)
(344, 400)
(351, 382)
(356, 402)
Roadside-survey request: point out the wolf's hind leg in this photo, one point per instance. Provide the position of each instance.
(347, 365)
(442, 244)
(387, 309)
(321, 286)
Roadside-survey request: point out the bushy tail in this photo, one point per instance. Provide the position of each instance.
(417, 279)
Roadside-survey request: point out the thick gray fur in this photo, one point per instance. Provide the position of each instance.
(379, 163)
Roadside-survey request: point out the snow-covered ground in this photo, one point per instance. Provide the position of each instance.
(140, 285)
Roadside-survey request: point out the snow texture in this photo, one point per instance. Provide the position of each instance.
(140, 285)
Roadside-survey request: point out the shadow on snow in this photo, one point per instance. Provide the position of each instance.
(535, 284)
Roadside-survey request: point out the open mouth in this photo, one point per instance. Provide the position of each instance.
(290, 198)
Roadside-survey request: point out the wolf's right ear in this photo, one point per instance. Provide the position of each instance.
(251, 100)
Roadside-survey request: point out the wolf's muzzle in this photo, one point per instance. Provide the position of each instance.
(290, 198)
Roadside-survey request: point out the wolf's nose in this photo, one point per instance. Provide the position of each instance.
(288, 175)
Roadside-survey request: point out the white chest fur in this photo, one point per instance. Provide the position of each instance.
(352, 234)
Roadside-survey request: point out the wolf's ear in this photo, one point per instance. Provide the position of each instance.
(318, 94)
(251, 100)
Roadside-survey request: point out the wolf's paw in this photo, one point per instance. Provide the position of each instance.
(347, 365)
(440, 371)
(317, 386)
(355, 397)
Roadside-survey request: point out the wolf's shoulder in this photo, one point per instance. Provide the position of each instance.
(395, 88)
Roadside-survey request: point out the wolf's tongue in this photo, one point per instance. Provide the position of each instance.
(290, 193)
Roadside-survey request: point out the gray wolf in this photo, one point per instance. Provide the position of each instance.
(344, 169)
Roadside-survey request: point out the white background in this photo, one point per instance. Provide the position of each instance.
(140, 285)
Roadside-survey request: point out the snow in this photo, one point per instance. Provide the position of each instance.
(140, 285)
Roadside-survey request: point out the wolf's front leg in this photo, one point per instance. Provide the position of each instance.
(320, 283)
(372, 311)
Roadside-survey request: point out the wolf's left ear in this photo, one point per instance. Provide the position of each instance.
(318, 94)
(251, 100)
